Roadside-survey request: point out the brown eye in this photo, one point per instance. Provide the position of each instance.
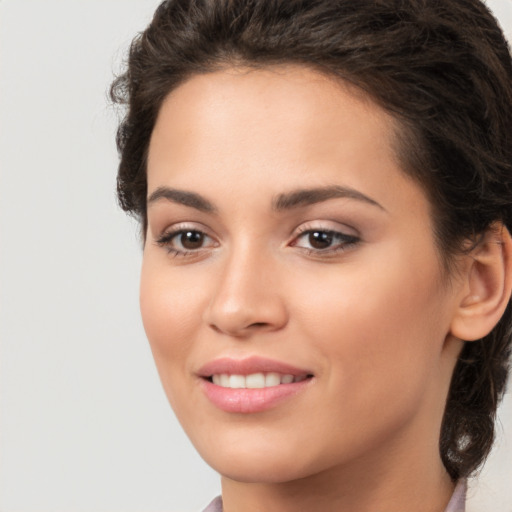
(183, 242)
(324, 242)
(320, 239)
(191, 240)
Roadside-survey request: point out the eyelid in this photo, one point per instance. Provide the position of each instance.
(347, 238)
(184, 226)
(168, 234)
(326, 225)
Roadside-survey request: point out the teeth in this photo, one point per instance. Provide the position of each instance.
(286, 379)
(237, 381)
(272, 379)
(254, 380)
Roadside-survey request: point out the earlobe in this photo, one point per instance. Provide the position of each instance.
(487, 285)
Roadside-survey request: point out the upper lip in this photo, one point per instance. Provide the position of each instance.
(248, 366)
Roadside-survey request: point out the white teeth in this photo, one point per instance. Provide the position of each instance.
(255, 380)
(236, 381)
(272, 379)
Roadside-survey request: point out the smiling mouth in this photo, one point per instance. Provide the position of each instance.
(255, 380)
(253, 384)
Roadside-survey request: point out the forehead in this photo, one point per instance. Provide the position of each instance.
(292, 101)
(286, 83)
(289, 125)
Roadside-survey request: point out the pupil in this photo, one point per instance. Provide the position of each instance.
(192, 239)
(320, 239)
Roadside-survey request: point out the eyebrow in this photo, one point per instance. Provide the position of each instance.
(290, 200)
(306, 197)
(190, 199)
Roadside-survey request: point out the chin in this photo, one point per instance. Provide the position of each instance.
(255, 470)
(264, 461)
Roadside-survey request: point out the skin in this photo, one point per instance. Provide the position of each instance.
(371, 320)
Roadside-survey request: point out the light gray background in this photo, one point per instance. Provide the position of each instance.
(84, 424)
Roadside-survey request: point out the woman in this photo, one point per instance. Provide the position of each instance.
(325, 196)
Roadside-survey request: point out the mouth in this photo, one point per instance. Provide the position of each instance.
(253, 384)
(255, 380)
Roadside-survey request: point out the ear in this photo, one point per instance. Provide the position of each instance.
(486, 287)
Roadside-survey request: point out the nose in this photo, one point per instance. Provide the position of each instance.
(247, 298)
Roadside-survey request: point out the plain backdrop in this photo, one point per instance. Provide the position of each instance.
(84, 423)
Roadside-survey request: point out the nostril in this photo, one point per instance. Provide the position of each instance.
(258, 324)
(237, 318)
(215, 328)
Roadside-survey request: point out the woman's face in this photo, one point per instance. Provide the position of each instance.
(291, 290)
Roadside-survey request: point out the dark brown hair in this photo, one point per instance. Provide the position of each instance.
(442, 68)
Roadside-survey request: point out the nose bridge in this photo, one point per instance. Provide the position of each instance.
(246, 297)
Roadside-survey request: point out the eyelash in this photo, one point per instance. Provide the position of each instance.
(165, 240)
(345, 241)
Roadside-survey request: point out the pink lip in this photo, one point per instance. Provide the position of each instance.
(253, 364)
(248, 401)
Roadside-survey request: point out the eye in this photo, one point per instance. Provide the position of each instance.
(185, 241)
(320, 241)
(190, 240)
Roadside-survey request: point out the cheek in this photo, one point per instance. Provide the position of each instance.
(380, 336)
(379, 324)
(170, 307)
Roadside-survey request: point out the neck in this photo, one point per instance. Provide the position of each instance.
(423, 489)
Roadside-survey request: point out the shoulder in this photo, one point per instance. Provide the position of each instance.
(458, 500)
(216, 505)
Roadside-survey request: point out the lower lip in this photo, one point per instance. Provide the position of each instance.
(247, 401)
